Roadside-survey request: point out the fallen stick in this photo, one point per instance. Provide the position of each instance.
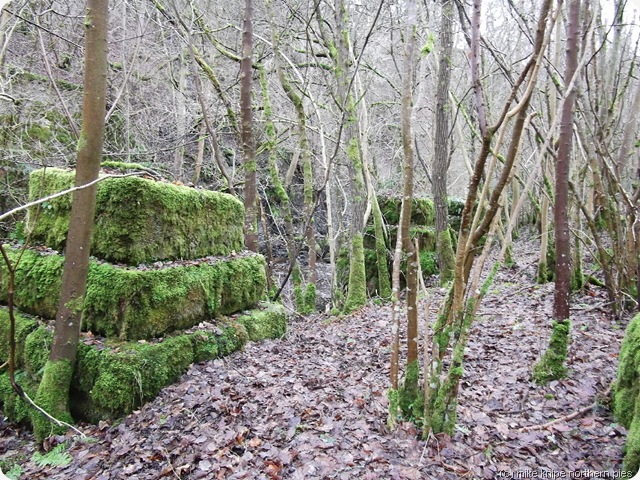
(566, 418)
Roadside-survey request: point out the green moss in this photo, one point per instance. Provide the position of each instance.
(23, 327)
(410, 398)
(310, 298)
(357, 290)
(227, 339)
(428, 263)
(161, 221)
(270, 321)
(631, 462)
(422, 210)
(36, 351)
(13, 407)
(39, 133)
(394, 406)
(34, 77)
(141, 303)
(53, 398)
(551, 365)
(382, 257)
(443, 411)
(446, 257)
(627, 385)
(112, 381)
(137, 372)
(543, 273)
(123, 167)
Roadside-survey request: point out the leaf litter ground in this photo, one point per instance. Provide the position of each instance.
(313, 405)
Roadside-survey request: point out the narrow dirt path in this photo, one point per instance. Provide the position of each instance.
(313, 405)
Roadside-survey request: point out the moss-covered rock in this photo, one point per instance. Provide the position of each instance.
(113, 379)
(270, 321)
(626, 401)
(139, 220)
(422, 210)
(219, 343)
(13, 407)
(139, 303)
(23, 327)
(36, 351)
(134, 373)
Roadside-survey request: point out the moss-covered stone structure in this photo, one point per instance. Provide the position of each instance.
(626, 394)
(169, 285)
(422, 229)
(132, 303)
(114, 378)
(139, 220)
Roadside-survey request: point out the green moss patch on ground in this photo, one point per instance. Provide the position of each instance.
(139, 220)
(112, 379)
(138, 303)
(626, 401)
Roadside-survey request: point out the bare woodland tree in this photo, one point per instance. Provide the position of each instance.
(248, 142)
(441, 157)
(53, 392)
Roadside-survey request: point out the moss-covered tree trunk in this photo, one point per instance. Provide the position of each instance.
(441, 144)
(384, 284)
(357, 286)
(53, 392)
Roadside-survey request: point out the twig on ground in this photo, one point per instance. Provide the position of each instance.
(599, 306)
(566, 418)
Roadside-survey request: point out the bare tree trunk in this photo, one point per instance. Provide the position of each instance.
(561, 208)
(409, 394)
(551, 365)
(248, 141)
(200, 155)
(53, 392)
(181, 116)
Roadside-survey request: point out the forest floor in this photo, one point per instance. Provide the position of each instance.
(313, 405)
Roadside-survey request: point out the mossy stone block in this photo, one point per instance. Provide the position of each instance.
(36, 351)
(422, 210)
(139, 220)
(269, 321)
(135, 373)
(626, 401)
(138, 303)
(13, 407)
(23, 327)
